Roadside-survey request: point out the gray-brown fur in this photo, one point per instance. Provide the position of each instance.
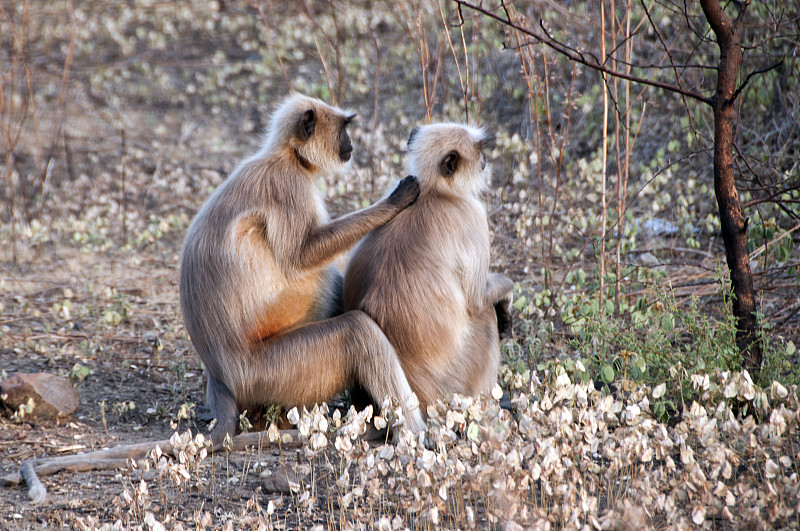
(424, 277)
(259, 295)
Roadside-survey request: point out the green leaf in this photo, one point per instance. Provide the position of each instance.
(79, 372)
(660, 411)
(673, 146)
(668, 322)
(607, 374)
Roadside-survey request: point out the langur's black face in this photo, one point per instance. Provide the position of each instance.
(345, 146)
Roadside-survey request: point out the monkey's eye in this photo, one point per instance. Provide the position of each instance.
(449, 164)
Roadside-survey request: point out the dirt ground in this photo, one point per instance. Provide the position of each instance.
(89, 281)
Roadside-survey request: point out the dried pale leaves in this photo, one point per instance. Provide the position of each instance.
(566, 455)
(569, 456)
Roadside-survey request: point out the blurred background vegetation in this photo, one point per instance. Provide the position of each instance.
(118, 118)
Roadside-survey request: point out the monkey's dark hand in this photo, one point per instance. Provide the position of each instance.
(406, 193)
(504, 321)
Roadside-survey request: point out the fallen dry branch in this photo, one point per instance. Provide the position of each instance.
(118, 458)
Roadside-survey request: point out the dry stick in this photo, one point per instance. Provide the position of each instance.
(775, 240)
(561, 148)
(605, 157)
(124, 202)
(375, 112)
(325, 69)
(20, 57)
(7, 110)
(544, 94)
(268, 33)
(622, 168)
(476, 86)
(455, 56)
(615, 84)
(337, 52)
(12, 210)
(628, 146)
(113, 458)
(58, 118)
(467, 86)
(557, 161)
(532, 100)
(423, 54)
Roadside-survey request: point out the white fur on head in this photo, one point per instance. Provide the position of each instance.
(430, 144)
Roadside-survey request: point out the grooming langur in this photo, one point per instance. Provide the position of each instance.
(258, 294)
(260, 298)
(424, 276)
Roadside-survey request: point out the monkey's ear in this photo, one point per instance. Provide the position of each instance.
(349, 119)
(306, 125)
(412, 135)
(449, 164)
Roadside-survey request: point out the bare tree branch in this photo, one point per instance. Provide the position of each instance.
(755, 73)
(580, 57)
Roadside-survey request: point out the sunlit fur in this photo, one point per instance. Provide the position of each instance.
(424, 277)
(260, 298)
(321, 148)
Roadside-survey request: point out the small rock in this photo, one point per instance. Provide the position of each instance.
(279, 482)
(53, 396)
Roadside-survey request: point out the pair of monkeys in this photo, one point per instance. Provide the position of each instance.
(275, 322)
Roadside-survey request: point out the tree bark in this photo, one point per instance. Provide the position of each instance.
(732, 219)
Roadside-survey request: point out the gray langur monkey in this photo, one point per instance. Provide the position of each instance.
(424, 277)
(260, 298)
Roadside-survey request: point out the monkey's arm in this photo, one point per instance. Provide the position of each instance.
(498, 287)
(322, 244)
(498, 293)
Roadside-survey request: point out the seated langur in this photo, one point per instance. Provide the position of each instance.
(424, 277)
(259, 295)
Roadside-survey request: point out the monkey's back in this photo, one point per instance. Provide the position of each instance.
(418, 277)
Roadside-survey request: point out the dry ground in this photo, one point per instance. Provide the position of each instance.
(161, 105)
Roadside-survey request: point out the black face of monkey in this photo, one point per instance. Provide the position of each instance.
(307, 125)
(345, 147)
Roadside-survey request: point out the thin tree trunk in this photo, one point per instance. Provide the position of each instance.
(732, 219)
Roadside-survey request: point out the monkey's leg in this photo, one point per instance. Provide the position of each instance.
(483, 354)
(314, 362)
(223, 408)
